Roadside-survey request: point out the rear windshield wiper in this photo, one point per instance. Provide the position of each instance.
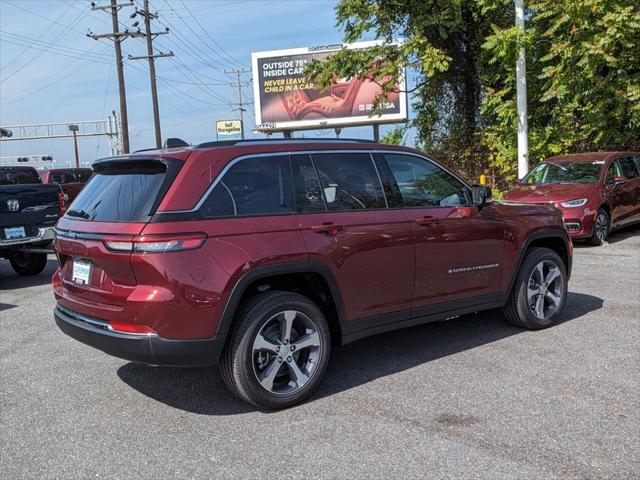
(79, 213)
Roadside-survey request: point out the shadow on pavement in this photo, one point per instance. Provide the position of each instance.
(10, 280)
(615, 236)
(203, 391)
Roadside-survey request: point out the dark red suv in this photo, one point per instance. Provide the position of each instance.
(262, 255)
(597, 192)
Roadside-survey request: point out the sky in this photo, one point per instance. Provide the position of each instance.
(50, 71)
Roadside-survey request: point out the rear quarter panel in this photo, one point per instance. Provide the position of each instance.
(202, 280)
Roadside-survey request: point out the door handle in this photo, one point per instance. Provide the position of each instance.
(427, 221)
(328, 227)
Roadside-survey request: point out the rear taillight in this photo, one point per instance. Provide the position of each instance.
(130, 328)
(157, 243)
(62, 202)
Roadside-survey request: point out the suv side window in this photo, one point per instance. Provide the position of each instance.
(612, 172)
(349, 181)
(424, 184)
(258, 185)
(308, 192)
(628, 166)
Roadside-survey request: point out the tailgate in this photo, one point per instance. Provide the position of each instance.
(29, 206)
(92, 237)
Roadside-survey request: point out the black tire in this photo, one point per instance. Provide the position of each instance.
(601, 228)
(518, 310)
(28, 264)
(240, 367)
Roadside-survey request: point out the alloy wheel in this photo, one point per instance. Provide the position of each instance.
(602, 225)
(286, 352)
(545, 289)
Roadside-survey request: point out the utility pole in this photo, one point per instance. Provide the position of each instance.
(148, 16)
(521, 93)
(240, 104)
(117, 38)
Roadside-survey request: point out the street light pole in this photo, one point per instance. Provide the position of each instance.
(74, 129)
(521, 92)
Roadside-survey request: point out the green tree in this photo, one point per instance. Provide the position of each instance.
(583, 62)
(394, 136)
(583, 77)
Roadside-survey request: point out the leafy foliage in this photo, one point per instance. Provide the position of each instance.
(583, 73)
(394, 136)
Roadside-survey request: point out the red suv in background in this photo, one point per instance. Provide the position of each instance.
(597, 192)
(262, 255)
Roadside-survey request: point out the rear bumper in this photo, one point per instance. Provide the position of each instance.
(149, 349)
(44, 235)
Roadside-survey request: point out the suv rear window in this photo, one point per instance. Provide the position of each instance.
(120, 192)
(18, 176)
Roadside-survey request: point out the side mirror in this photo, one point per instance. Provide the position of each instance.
(619, 180)
(480, 194)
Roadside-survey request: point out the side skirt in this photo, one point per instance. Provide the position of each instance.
(435, 313)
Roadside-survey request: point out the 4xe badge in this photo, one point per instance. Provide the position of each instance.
(13, 205)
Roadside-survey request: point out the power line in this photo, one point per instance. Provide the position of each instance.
(58, 37)
(192, 49)
(53, 50)
(24, 50)
(54, 22)
(192, 75)
(233, 60)
(70, 50)
(200, 54)
(49, 80)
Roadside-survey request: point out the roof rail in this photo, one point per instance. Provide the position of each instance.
(275, 141)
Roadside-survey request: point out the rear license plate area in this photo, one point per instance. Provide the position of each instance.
(14, 232)
(81, 273)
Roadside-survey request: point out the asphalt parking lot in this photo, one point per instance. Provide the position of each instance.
(469, 398)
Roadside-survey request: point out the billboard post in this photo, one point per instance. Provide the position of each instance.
(286, 101)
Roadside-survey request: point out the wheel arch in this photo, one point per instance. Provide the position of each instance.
(556, 240)
(313, 280)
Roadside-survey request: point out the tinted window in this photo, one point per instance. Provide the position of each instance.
(349, 181)
(253, 186)
(18, 176)
(123, 192)
(71, 176)
(612, 172)
(628, 166)
(424, 184)
(63, 177)
(308, 192)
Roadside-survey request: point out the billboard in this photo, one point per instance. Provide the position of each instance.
(228, 130)
(285, 100)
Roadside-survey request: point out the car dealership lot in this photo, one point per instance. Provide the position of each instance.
(469, 398)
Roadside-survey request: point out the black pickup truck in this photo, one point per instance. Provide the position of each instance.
(29, 211)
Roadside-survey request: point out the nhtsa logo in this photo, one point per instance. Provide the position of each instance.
(474, 268)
